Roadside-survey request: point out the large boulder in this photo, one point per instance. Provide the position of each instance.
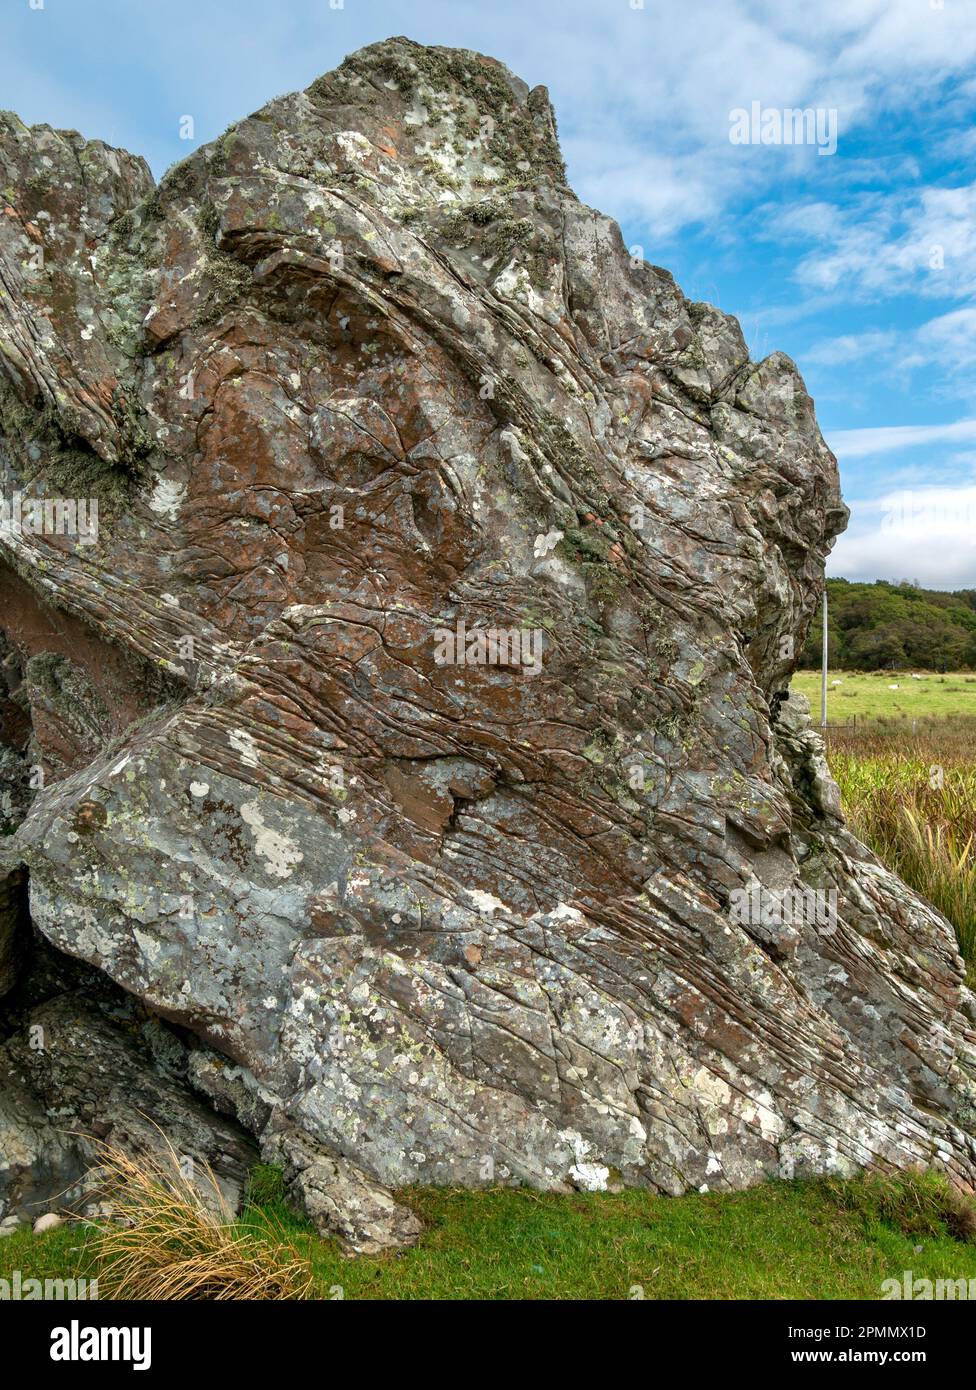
(459, 564)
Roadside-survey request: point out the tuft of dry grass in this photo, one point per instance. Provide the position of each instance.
(165, 1242)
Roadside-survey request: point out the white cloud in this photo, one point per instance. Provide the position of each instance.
(874, 555)
(912, 40)
(911, 511)
(942, 350)
(947, 343)
(662, 192)
(922, 242)
(923, 533)
(886, 439)
(852, 347)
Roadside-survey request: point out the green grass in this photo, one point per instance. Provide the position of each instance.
(823, 1239)
(867, 695)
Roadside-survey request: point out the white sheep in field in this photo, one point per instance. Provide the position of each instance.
(892, 687)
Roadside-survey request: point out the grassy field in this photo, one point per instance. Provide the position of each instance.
(869, 695)
(907, 773)
(826, 1239)
(912, 798)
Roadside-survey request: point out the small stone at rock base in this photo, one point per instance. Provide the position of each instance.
(50, 1221)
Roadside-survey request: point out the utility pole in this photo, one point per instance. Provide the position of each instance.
(823, 663)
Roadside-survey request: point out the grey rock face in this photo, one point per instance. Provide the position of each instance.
(73, 1073)
(357, 385)
(37, 1162)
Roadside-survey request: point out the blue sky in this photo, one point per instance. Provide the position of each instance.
(860, 264)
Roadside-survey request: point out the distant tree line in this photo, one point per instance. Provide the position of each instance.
(883, 626)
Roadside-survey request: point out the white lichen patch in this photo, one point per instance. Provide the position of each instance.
(513, 283)
(485, 902)
(353, 144)
(546, 542)
(167, 498)
(280, 853)
(585, 1173)
(709, 1089)
(759, 1111)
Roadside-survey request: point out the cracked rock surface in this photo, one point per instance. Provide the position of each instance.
(362, 373)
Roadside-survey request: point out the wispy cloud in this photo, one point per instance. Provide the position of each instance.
(854, 347)
(887, 439)
(922, 241)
